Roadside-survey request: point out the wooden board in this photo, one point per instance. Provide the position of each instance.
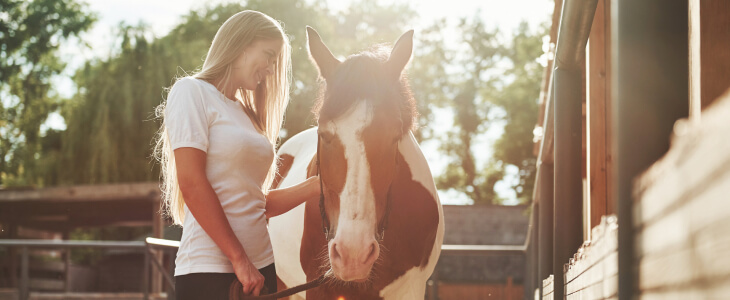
(598, 116)
(714, 45)
(593, 271)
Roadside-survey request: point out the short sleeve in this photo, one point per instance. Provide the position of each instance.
(186, 120)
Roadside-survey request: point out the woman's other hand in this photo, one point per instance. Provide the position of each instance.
(249, 276)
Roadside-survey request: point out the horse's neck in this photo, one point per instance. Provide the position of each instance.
(416, 161)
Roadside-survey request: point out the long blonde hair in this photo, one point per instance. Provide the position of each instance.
(265, 105)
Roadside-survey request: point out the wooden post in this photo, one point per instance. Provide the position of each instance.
(171, 262)
(13, 256)
(508, 292)
(545, 229)
(650, 83)
(695, 82)
(157, 232)
(24, 277)
(146, 274)
(67, 263)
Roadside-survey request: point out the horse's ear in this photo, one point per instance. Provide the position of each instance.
(401, 54)
(318, 51)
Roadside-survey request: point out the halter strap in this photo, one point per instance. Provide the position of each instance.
(322, 211)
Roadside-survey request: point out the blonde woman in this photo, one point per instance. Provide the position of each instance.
(217, 151)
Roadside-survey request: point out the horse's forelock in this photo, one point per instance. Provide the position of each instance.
(360, 77)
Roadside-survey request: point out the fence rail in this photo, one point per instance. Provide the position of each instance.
(150, 245)
(147, 247)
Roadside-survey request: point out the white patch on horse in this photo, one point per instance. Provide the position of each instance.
(286, 230)
(410, 286)
(357, 205)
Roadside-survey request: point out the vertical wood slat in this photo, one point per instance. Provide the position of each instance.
(714, 45)
(593, 270)
(24, 276)
(695, 82)
(547, 288)
(597, 117)
(610, 146)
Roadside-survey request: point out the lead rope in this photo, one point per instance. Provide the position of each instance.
(235, 291)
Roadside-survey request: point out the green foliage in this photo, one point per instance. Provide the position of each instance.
(483, 94)
(482, 80)
(519, 100)
(110, 120)
(30, 34)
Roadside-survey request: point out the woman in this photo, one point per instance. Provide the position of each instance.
(216, 147)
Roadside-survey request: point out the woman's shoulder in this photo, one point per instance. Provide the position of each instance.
(186, 83)
(186, 92)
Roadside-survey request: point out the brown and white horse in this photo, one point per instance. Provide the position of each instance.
(385, 219)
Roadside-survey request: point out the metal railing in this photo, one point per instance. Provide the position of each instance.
(148, 247)
(165, 246)
(152, 246)
(471, 250)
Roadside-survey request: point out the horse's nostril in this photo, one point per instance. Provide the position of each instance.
(372, 254)
(335, 252)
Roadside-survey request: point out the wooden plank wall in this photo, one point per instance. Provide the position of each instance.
(593, 272)
(683, 213)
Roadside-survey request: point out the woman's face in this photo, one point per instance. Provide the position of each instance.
(256, 63)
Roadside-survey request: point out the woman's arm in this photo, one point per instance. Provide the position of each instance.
(280, 201)
(203, 203)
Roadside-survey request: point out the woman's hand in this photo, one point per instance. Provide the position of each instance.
(249, 276)
(279, 201)
(313, 183)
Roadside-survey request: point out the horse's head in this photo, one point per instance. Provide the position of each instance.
(364, 110)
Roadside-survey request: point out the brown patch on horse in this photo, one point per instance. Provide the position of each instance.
(412, 227)
(333, 171)
(381, 146)
(285, 163)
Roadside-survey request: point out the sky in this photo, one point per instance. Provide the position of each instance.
(163, 15)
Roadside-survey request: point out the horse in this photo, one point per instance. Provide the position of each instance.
(377, 229)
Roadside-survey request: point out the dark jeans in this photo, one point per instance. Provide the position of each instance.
(214, 286)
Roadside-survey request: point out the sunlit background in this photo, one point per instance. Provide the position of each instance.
(476, 74)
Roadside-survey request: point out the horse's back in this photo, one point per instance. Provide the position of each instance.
(286, 230)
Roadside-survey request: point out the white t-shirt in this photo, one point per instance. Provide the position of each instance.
(238, 158)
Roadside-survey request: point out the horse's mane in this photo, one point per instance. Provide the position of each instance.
(362, 76)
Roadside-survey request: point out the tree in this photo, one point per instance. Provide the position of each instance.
(482, 93)
(30, 34)
(471, 97)
(110, 122)
(519, 101)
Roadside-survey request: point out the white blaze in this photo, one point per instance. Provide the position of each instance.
(357, 205)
